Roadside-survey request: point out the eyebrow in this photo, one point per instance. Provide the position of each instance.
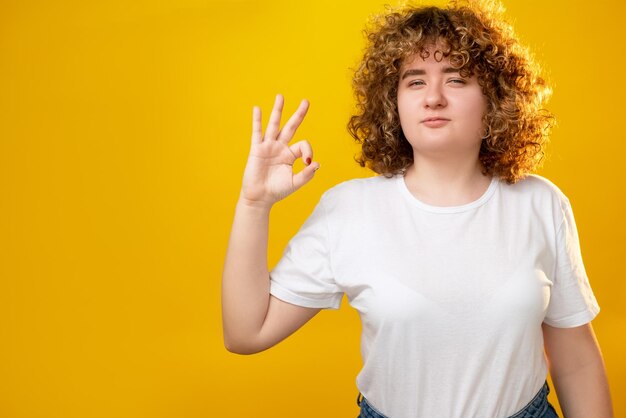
(419, 71)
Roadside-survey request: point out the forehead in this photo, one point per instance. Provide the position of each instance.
(428, 57)
(436, 54)
(427, 48)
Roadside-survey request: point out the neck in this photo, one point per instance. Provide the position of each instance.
(452, 183)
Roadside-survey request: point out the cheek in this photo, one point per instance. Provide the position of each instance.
(405, 111)
(475, 110)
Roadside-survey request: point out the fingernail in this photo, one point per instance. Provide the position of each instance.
(316, 168)
(308, 161)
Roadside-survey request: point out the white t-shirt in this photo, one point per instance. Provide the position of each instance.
(451, 299)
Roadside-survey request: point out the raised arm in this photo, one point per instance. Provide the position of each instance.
(253, 320)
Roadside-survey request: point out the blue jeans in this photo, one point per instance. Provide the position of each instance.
(539, 407)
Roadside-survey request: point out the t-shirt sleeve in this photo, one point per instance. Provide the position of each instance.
(303, 276)
(572, 302)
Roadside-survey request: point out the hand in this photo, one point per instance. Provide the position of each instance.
(268, 176)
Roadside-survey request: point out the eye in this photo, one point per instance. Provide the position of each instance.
(416, 83)
(457, 81)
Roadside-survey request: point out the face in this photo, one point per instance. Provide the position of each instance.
(440, 111)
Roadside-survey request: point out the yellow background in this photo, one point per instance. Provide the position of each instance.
(124, 131)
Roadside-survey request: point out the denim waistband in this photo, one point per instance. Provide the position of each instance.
(538, 407)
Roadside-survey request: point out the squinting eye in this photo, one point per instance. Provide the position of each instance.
(457, 81)
(416, 83)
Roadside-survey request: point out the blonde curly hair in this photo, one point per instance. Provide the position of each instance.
(478, 42)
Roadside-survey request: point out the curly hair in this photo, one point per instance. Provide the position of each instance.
(477, 41)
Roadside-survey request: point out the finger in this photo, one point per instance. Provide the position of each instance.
(304, 176)
(273, 125)
(294, 122)
(302, 149)
(257, 133)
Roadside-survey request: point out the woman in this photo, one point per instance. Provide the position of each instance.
(462, 265)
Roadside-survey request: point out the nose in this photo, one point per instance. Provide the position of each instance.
(435, 97)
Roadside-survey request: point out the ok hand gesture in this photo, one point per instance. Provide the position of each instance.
(269, 176)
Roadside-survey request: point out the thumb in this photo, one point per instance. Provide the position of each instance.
(304, 176)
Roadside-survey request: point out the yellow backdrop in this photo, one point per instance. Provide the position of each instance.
(124, 131)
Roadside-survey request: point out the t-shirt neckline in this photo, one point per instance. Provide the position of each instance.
(447, 209)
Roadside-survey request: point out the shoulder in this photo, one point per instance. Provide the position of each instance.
(539, 196)
(358, 196)
(358, 187)
(538, 187)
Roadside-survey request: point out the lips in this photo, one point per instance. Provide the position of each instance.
(434, 118)
(435, 122)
